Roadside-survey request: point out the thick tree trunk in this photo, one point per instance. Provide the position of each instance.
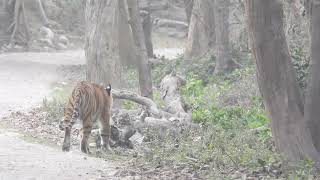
(276, 78)
(307, 6)
(142, 54)
(20, 30)
(188, 5)
(101, 45)
(147, 30)
(312, 105)
(5, 19)
(224, 61)
(126, 44)
(201, 35)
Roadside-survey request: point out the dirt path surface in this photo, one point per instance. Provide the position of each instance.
(25, 78)
(22, 160)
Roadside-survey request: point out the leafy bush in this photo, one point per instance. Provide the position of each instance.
(203, 100)
(54, 105)
(202, 69)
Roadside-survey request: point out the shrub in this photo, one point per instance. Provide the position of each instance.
(54, 105)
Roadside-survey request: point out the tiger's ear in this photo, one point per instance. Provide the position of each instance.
(108, 89)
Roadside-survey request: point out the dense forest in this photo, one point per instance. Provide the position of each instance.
(202, 89)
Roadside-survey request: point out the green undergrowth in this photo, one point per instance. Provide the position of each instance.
(234, 136)
(227, 140)
(54, 104)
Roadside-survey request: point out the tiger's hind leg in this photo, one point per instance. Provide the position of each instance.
(86, 131)
(105, 131)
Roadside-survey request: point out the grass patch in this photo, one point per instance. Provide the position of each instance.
(55, 103)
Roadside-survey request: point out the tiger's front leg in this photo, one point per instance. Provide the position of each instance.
(66, 141)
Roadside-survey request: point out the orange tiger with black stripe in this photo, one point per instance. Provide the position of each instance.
(88, 102)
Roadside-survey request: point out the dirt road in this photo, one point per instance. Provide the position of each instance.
(25, 78)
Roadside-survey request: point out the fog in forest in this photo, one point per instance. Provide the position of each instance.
(159, 89)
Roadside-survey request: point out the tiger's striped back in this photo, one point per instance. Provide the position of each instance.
(88, 102)
(87, 99)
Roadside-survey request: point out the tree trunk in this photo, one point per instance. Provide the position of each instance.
(126, 44)
(142, 55)
(43, 15)
(147, 30)
(312, 104)
(276, 79)
(101, 44)
(188, 5)
(20, 30)
(201, 35)
(224, 61)
(5, 21)
(307, 6)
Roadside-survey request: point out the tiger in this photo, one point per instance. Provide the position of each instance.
(88, 102)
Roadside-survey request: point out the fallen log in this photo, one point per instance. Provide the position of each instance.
(151, 106)
(174, 118)
(174, 109)
(168, 23)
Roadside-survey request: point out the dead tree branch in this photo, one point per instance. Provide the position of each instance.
(152, 108)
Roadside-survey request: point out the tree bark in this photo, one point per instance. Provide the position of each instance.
(188, 5)
(201, 34)
(170, 92)
(142, 55)
(5, 20)
(312, 112)
(152, 109)
(276, 79)
(101, 43)
(43, 15)
(126, 45)
(150, 105)
(307, 6)
(147, 31)
(19, 24)
(224, 61)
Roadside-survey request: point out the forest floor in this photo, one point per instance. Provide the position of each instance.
(26, 79)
